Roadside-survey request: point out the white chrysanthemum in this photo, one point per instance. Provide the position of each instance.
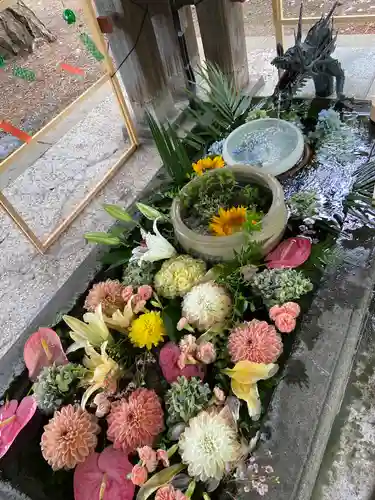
(208, 445)
(206, 305)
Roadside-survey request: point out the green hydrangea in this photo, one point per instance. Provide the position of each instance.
(55, 384)
(137, 275)
(277, 286)
(185, 399)
(178, 275)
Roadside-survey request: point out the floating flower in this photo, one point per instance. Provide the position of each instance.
(245, 376)
(206, 305)
(43, 348)
(104, 476)
(139, 475)
(228, 221)
(69, 437)
(148, 457)
(169, 493)
(147, 330)
(178, 275)
(108, 294)
(206, 353)
(135, 422)
(168, 360)
(209, 445)
(291, 253)
(104, 372)
(188, 349)
(127, 293)
(155, 248)
(13, 418)
(208, 164)
(285, 316)
(255, 341)
(92, 330)
(162, 456)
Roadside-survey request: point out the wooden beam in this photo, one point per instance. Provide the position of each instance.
(360, 18)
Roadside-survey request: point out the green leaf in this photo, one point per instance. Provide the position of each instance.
(171, 315)
(149, 212)
(158, 480)
(102, 238)
(116, 256)
(118, 213)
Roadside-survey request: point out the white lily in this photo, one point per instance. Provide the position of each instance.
(92, 330)
(156, 247)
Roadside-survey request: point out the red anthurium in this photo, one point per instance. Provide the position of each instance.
(43, 348)
(13, 418)
(291, 253)
(104, 476)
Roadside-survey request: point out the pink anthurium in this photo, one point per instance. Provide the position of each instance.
(43, 348)
(13, 418)
(104, 476)
(291, 253)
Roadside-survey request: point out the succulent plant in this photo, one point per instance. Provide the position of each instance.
(185, 399)
(137, 275)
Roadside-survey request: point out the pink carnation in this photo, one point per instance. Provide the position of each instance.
(145, 292)
(148, 457)
(291, 308)
(108, 294)
(139, 475)
(138, 304)
(162, 456)
(168, 361)
(127, 293)
(255, 341)
(206, 353)
(285, 322)
(169, 493)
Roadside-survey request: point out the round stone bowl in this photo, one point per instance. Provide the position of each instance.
(222, 248)
(270, 144)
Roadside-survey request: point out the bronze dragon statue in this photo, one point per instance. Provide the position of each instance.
(310, 58)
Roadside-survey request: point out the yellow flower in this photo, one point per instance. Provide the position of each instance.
(228, 221)
(147, 330)
(208, 164)
(120, 320)
(245, 376)
(104, 372)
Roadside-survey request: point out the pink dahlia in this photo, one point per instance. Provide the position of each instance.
(255, 341)
(168, 361)
(148, 457)
(135, 422)
(169, 493)
(69, 437)
(110, 294)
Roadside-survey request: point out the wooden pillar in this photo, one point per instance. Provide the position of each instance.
(142, 73)
(223, 35)
(187, 25)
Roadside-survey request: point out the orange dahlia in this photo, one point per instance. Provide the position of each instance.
(208, 164)
(228, 221)
(69, 437)
(110, 294)
(135, 422)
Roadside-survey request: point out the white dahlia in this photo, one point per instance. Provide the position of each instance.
(209, 446)
(206, 305)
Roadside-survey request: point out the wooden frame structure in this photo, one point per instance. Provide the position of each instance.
(111, 77)
(280, 21)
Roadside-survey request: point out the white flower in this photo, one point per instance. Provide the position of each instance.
(208, 446)
(156, 247)
(206, 305)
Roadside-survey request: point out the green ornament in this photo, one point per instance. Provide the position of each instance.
(24, 73)
(2, 62)
(91, 47)
(69, 16)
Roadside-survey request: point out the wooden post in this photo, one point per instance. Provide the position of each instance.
(142, 73)
(187, 24)
(223, 35)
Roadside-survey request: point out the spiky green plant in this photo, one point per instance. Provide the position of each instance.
(185, 399)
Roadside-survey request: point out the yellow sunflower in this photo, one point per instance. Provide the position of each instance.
(208, 164)
(228, 221)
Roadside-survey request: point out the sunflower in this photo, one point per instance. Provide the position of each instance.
(228, 221)
(208, 164)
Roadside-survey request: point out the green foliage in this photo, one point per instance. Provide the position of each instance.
(185, 399)
(56, 384)
(304, 204)
(171, 149)
(360, 201)
(277, 286)
(138, 275)
(253, 221)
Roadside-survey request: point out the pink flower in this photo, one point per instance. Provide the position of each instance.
(291, 308)
(291, 253)
(43, 348)
(168, 361)
(182, 323)
(103, 405)
(255, 341)
(188, 344)
(206, 353)
(285, 323)
(169, 493)
(108, 294)
(139, 475)
(138, 304)
(275, 311)
(219, 394)
(127, 293)
(162, 456)
(13, 418)
(148, 457)
(145, 292)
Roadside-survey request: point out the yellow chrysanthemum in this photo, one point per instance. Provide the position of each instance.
(228, 221)
(147, 330)
(208, 164)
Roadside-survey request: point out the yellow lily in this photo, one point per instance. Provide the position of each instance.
(245, 376)
(92, 330)
(104, 372)
(121, 320)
